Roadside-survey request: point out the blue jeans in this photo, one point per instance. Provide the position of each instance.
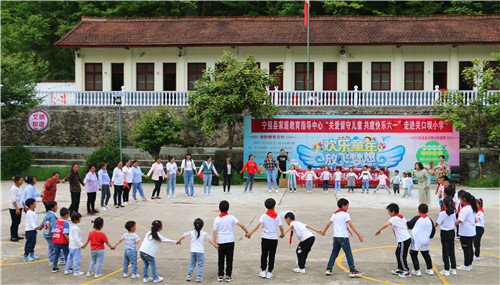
(74, 257)
(337, 186)
(250, 179)
(366, 185)
(309, 185)
(271, 176)
(171, 184)
(149, 260)
(188, 179)
(97, 257)
(58, 249)
(130, 256)
(207, 181)
(343, 243)
(409, 191)
(52, 250)
(197, 258)
(137, 186)
(29, 246)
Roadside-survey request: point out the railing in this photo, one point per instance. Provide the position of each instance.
(279, 98)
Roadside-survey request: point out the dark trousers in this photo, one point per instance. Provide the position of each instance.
(396, 188)
(126, 192)
(91, 201)
(402, 254)
(57, 251)
(283, 167)
(156, 191)
(477, 240)
(466, 243)
(226, 251)
(448, 245)
(303, 250)
(425, 254)
(117, 195)
(105, 195)
(29, 246)
(325, 185)
(227, 181)
(75, 202)
(268, 247)
(16, 220)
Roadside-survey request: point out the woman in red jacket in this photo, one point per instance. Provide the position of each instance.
(251, 167)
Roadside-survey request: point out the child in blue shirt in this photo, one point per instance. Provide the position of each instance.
(131, 244)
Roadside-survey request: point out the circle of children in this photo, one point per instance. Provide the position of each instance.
(65, 242)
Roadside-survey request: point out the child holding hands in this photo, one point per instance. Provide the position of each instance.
(131, 240)
(97, 239)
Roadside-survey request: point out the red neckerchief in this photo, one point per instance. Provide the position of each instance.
(291, 233)
(439, 186)
(442, 207)
(480, 209)
(341, 210)
(223, 214)
(423, 216)
(460, 207)
(271, 213)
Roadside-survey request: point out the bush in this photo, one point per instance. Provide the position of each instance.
(483, 181)
(108, 154)
(15, 160)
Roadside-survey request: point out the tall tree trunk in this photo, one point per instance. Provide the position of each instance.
(478, 142)
(230, 133)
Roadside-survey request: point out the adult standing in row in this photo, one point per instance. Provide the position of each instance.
(92, 187)
(424, 181)
(443, 168)
(117, 180)
(16, 207)
(129, 181)
(158, 176)
(172, 173)
(270, 164)
(104, 182)
(50, 188)
(282, 159)
(227, 170)
(189, 169)
(208, 169)
(251, 167)
(75, 188)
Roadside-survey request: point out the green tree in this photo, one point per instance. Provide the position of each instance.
(155, 129)
(480, 115)
(229, 91)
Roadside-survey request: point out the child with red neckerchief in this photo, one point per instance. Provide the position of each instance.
(479, 228)
(400, 229)
(224, 237)
(270, 222)
(422, 228)
(340, 219)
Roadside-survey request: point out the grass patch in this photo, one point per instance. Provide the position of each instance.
(483, 181)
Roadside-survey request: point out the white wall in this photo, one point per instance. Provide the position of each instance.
(289, 56)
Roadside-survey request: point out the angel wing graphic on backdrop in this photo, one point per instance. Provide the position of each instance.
(388, 158)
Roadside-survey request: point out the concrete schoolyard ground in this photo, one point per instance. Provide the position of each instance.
(375, 256)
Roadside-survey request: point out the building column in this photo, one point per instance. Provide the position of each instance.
(181, 72)
(79, 70)
(128, 72)
(397, 71)
(342, 73)
(106, 76)
(453, 69)
(289, 71)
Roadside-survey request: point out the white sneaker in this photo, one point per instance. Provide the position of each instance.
(168, 197)
(98, 275)
(135, 276)
(270, 191)
(104, 208)
(430, 272)
(125, 275)
(160, 279)
(89, 274)
(262, 274)
(298, 270)
(187, 195)
(453, 271)
(269, 275)
(146, 280)
(277, 191)
(416, 273)
(466, 268)
(79, 273)
(62, 262)
(477, 258)
(50, 263)
(444, 272)
(175, 196)
(206, 194)
(68, 272)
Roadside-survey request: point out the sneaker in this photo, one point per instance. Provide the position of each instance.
(298, 270)
(397, 271)
(55, 270)
(220, 278)
(206, 194)
(97, 275)
(122, 206)
(188, 278)
(146, 280)
(160, 279)
(96, 212)
(186, 195)
(295, 191)
(68, 272)
(79, 273)
(477, 258)
(35, 257)
(466, 268)
(116, 206)
(135, 276)
(405, 274)
(229, 278)
(262, 274)
(354, 274)
(250, 192)
(50, 263)
(328, 271)
(430, 272)
(145, 200)
(244, 192)
(417, 273)
(174, 196)
(125, 275)
(135, 199)
(158, 197)
(104, 208)
(152, 198)
(14, 239)
(270, 191)
(62, 262)
(277, 191)
(269, 275)
(89, 274)
(90, 213)
(199, 279)
(28, 259)
(290, 190)
(168, 197)
(444, 272)
(193, 195)
(453, 271)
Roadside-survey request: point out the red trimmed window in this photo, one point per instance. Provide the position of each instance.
(355, 76)
(462, 83)
(93, 76)
(273, 66)
(195, 72)
(440, 75)
(145, 77)
(329, 76)
(414, 76)
(169, 77)
(301, 76)
(116, 76)
(381, 76)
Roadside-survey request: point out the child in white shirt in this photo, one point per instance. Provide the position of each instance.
(396, 180)
(382, 182)
(338, 178)
(422, 229)
(365, 177)
(479, 228)
(309, 175)
(292, 178)
(31, 228)
(410, 184)
(446, 221)
(75, 246)
(198, 238)
(325, 176)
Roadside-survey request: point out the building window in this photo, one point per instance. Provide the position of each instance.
(116, 76)
(462, 83)
(381, 76)
(273, 66)
(169, 76)
(301, 76)
(440, 75)
(145, 76)
(329, 76)
(93, 76)
(355, 76)
(496, 78)
(414, 76)
(195, 72)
